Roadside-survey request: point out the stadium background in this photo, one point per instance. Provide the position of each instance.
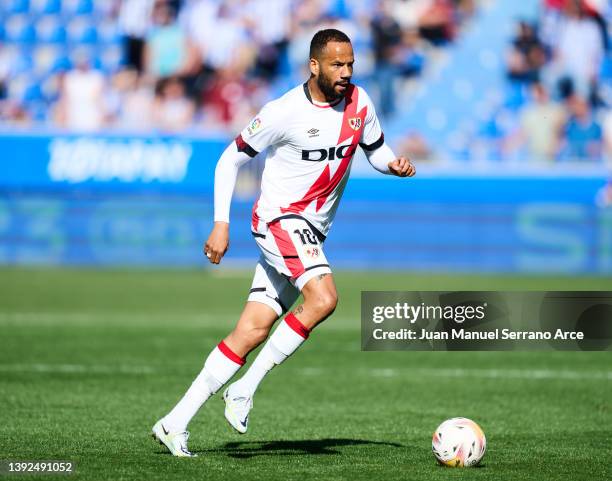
(102, 164)
(106, 181)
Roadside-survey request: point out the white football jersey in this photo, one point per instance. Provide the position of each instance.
(310, 150)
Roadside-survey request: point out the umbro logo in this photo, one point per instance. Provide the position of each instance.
(313, 132)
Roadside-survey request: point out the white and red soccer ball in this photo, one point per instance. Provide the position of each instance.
(459, 442)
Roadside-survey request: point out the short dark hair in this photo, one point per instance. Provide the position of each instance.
(322, 37)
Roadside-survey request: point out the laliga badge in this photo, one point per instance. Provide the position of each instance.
(254, 126)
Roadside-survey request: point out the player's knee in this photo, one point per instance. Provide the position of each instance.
(252, 335)
(258, 334)
(325, 302)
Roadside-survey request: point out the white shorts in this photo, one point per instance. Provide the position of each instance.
(291, 255)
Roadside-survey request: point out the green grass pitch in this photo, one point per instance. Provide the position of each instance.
(89, 360)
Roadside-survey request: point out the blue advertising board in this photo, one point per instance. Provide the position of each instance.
(148, 201)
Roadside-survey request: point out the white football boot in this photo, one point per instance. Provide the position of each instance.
(175, 442)
(237, 407)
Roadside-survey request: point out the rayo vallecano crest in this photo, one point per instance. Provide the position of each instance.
(355, 123)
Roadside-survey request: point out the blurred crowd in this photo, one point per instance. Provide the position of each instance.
(559, 69)
(211, 64)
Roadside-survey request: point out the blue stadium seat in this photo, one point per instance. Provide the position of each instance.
(69, 7)
(21, 62)
(109, 34)
(19, 29)
(110, 59)
(32, 91)
(17, 6)
(51, 88)
(606, 68)
(85, 7)
(46, 7)
(489, 130)
(514, 95)
(44, 59)
(61, 63)
(17, 86)
(80, 52)
(90, 35)
(39, 110)
(82, 31)
(77, 7)
(337, 9)
(50, 29)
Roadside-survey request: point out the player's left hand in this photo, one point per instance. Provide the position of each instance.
(402, 167)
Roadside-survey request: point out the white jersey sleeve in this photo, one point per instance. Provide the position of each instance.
(266, 129)
(226, 173)
(372, 136)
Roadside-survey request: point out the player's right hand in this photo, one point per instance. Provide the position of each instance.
(218, 242)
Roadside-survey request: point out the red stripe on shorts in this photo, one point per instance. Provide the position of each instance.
(231, 355)
(255, 217)
(287, 250)
(295, 324)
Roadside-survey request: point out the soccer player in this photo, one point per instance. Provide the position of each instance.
(310, 134)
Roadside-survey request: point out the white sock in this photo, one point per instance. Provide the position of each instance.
(288, 336)
(221, 364)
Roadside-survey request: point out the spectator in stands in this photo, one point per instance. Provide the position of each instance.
(3, 95)
(172, 110)
(550, 16)
(541, 125)
(219, 48)
(416, 144)
(229, 100)
(583, 135)
(596, 9)
(465, 9)
(271, 35)
(607, 136)
(603, 198)
(306, 19)
(168, 51)
(437, 22)
(527, 55)
(224, 44)
(386, 40)
(578, 52)
(133, 100)
(134, 22)
(14, 112)
(81, 105)
(410, 56)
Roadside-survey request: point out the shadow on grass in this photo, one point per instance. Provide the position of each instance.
(249, 449)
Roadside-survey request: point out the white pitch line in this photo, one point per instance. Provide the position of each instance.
(76, 368)
(95, 317)
(537, 374)
(534, 374)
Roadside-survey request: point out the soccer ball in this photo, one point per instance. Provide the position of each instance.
(459, 442)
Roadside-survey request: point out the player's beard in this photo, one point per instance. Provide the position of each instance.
(326, 86)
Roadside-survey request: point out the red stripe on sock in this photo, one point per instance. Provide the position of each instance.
(295, 324)
(231, 355)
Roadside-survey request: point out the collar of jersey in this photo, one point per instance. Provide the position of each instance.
(321, 105)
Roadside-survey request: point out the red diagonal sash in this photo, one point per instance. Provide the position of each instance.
(352, 126)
